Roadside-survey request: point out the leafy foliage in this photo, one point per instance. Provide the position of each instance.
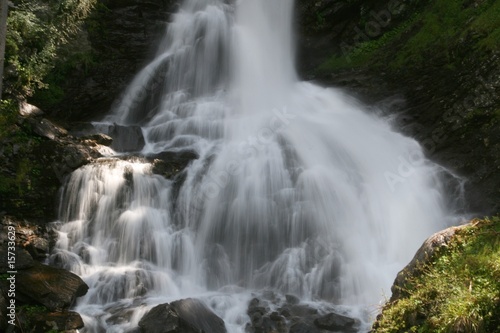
(36, 31)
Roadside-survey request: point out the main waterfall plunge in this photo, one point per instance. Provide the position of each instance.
(295, 189)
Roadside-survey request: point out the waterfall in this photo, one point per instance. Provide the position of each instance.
(295, 188)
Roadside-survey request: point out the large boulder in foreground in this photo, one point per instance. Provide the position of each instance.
(183, 316)
(54, 288)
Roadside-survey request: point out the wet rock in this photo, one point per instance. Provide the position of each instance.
(265, 320)
(300, 310)
(125, 138)
(301, 327)
(256, 306)
(337, 322)
(170, 164)
(52, 287)
(292, 299)
(280, 316)
(183, 316)
(100, 138)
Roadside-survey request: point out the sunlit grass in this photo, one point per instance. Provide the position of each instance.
(458, 292)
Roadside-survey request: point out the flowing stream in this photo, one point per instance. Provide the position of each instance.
(295, 188)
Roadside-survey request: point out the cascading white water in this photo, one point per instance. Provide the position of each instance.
(296, 188)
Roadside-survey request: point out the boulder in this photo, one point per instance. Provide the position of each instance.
(337, 322)
(292, 299)
(169, 164)
(183, 316)
(423, 256)
(26, 109)
(126, 138)
(46, 128)
(100, 138)
(52, 287)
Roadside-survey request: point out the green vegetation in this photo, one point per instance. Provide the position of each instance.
(457, 292)
(28, 314)
(18, 142)
(439, 33)
(44, 43)
(36, 31)
(362, 53)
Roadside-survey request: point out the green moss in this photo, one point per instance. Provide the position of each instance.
(33, 309)
(27, 315)
(457, 292)
(364, 53)
(438, 33)
(488, 25)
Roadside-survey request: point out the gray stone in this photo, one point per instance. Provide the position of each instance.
(183, 316)
(126, 138)
(301, 327)
(423, 256)
(27, 110)
(337, 322)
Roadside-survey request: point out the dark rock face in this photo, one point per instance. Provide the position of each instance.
(170, 164)
(183, 316)
(121, 35)
(124, 138)
(52, 287)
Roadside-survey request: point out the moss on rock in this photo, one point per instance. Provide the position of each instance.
(455, 290)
